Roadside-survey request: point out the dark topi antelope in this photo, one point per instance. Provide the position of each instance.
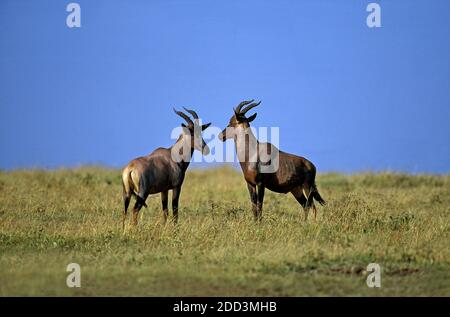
(163, 169)
(264, 166)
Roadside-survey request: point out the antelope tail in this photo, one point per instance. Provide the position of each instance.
(317, 196)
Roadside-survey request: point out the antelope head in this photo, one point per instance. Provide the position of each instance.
(239, 120)
(192, 131)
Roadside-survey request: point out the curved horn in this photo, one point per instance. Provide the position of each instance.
(184, 116)
(192, 112)
(253, 105)
(237, 110)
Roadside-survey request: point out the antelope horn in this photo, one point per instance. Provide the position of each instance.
(184, 116)
(192, 112)
(243, 103)
(253, 105)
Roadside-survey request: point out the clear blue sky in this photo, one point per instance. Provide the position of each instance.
(347, 97)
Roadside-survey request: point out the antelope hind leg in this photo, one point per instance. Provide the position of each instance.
(301, 199)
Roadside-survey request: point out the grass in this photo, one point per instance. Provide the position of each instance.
(49, 219)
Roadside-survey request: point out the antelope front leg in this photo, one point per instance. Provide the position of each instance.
(254, 199)
(175, 197)
(164, 201)
(259, 205)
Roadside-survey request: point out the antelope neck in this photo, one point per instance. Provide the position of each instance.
(182, 143)
(246, 145)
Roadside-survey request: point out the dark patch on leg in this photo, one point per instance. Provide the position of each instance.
(126, 201)
(137, 206)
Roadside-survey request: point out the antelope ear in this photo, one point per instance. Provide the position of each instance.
(252, 117)
(205, 126)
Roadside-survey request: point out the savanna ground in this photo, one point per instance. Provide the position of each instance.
(49, 219)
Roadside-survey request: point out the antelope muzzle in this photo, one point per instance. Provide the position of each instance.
(223, 135)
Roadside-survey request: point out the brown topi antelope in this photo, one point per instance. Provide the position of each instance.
(163, 169)
(264, 166)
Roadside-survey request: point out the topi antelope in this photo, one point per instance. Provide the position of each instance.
(264, 166)
(163, 169)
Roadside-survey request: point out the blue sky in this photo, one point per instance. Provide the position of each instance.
(348, 97)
